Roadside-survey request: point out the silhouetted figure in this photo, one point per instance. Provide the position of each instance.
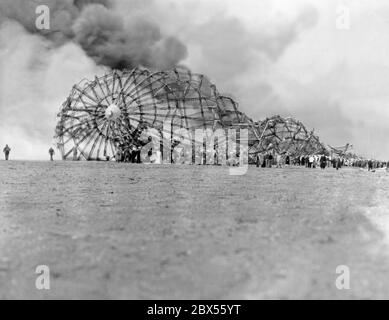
(264, 161)
(258, 160)
(127, 155)
(323, 162)
(270, 160)
(136, 155)
(338, 163)
(6, 151)
(370, 165)
(51, 153)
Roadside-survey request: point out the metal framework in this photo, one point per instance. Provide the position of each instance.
(123, 108)
(114, 110)
(285, 136)
(340, 151)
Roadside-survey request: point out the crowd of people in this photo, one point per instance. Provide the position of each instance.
(309, 161)
(370, 164)
(269, 160)
(131, 155)
(313, 161)
(131, 152)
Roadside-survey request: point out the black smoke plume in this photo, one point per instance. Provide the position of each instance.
(101, 32)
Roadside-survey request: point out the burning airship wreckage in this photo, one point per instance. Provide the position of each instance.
(172, 116)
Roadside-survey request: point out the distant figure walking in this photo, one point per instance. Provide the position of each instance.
(51, 152)
(6, 151)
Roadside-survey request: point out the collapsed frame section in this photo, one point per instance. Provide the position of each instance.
(123, 109)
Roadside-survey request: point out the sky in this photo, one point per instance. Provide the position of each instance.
(291, 58)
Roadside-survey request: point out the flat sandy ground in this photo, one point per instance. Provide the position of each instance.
(109, 230)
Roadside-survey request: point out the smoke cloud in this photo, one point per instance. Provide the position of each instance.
(112, 42)
(105, 36)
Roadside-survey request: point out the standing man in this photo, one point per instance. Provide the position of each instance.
(51, 152)
(287, 160)
(6, 151)
(338, 163)
(370, 165)
(258, 160)
(323, 162)
(270, 160)
(310, 161)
